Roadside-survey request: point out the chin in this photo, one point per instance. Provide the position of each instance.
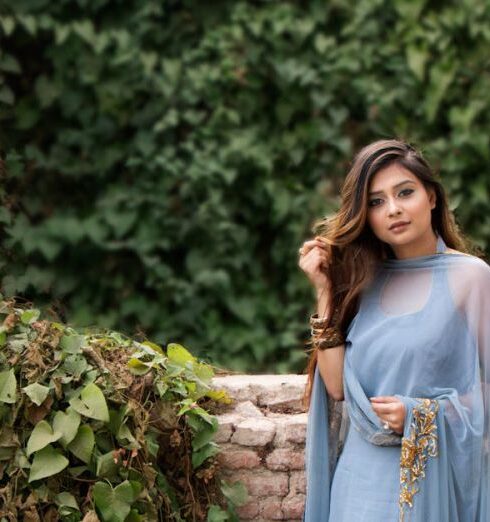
(400, 239)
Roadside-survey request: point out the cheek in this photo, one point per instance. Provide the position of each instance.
(419, 207)
(375, 220)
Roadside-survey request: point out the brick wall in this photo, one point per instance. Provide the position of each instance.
(263, 437)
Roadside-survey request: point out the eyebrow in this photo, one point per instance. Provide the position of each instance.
(394, 186)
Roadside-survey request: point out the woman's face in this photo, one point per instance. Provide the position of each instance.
(396, 195)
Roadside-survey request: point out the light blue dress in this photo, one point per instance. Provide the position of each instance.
(422, 334)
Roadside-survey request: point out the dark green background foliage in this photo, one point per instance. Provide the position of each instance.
(166, 159)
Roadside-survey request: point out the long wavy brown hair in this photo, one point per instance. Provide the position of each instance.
(354, 249)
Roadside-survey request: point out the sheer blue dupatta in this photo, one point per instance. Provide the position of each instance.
(328, 422)
(324, 439)
(444, 465)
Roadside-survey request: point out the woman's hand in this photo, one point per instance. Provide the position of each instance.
(390, 410)
(314, 259)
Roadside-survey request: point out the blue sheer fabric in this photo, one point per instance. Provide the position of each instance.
(422, 334)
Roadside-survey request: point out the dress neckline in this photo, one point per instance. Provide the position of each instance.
(418, 261)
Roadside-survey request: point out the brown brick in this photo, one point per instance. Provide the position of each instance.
(293, 506)
(239, 459)
(283, 459)
(297, 482)
(264, 483)
(248, 511)
(254, 432)
(270, 508)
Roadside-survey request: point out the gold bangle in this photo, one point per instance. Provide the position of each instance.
(318, 322)
(333, 341)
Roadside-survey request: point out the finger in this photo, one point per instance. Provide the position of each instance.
(384, 409)
(309, 245)
(391, 419)
(384, 398)
(313, 260)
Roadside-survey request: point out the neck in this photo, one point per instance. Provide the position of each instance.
(422, 246)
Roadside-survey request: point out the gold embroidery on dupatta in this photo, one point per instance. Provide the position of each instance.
(420, 444)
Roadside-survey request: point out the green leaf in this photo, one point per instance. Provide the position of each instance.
(417, 59)
(92, 403)
(114, 505)
(41, 436)
(153, 346)
(71, 343)
(204, 372)
(216, 514)
(29, 316)
(66, 499)
(136, 367)
(8, 385)
(85, 29)
(8, 24)
(219, 396)
(67, 424)
(47, 462)
(198, 457)
(106, 467)
(205, 434)
(36, 392)
(6, 95)
(178, 354)
(83, 444)
(235, 493)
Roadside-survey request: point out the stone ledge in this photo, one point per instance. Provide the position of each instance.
(275, 392)
(262, 437)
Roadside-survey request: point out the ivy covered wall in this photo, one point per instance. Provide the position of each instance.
(164, 160)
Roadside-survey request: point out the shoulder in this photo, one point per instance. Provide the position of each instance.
(468, 272)
(452, 251)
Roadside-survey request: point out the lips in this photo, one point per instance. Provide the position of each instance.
(399, 224)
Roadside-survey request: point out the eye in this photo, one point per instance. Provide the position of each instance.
(373, 203)
(407, 191)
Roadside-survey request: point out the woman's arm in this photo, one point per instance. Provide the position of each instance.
(330, 361)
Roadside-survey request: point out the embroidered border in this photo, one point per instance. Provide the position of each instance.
(420, 444)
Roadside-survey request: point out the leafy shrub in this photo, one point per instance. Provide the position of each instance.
(98, 426)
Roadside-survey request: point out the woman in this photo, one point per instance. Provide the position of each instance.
(398, 396)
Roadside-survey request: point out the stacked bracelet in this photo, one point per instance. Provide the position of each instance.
(324, 336)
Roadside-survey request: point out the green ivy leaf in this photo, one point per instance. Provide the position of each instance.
(8, 385)
(153, 346)
(216, 514)
(8, 24)
(179, 355)
(67, 424)
(236, 493)
(36, 392)
(71, 343)
(29, 316)
(106, 467)
(46, 463)
(83, 444)
(6, 95)
(66, 499)
(92, 403)
(41, 436)
(114, 505)
(205, 434)
(137, 367)
(198, 457)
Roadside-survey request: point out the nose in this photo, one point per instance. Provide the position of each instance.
(393, 207)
